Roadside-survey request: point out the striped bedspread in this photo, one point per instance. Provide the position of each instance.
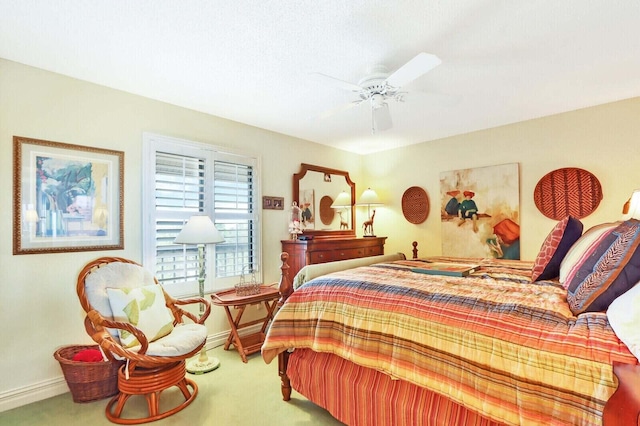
(493, 341)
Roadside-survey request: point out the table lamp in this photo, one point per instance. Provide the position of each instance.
(200, 230)
(369, 198)
(342, 202)
(631, 209)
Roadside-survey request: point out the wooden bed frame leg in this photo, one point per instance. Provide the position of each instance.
(286, 288)
(285, 384)
(623, 408)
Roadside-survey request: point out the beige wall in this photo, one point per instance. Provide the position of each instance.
(604, 140)
(40, 308)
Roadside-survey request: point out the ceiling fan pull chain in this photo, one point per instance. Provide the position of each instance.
(373, 123)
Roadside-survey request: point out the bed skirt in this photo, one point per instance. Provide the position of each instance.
(360, 396)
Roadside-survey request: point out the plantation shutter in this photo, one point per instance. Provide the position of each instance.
(180, 193)
(234, 205)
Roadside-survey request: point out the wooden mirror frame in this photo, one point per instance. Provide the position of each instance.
(304, 168)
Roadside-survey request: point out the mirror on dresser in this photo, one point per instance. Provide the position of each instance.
(315, 190)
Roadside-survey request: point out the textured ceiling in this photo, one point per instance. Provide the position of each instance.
(250, 61)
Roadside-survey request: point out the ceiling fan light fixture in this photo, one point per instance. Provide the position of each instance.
(381, 118)
(377, 101)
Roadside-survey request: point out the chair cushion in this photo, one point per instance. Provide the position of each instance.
(145, 307)
(113, 275)
(184, 339)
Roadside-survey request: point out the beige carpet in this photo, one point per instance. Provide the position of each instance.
(236, 394)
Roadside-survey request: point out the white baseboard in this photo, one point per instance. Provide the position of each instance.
(32, 393)
(56, 386)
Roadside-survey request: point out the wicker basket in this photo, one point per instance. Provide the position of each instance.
(88, 381)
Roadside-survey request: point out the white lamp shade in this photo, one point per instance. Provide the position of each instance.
(634, 207)
(369, 198)
(199, 230)
(342, 201)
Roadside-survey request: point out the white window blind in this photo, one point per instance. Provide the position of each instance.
(234, 204)
(179, 193)
(186, 178)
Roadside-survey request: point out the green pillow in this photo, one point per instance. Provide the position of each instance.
(143, 307)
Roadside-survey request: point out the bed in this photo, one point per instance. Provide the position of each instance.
(382, 344)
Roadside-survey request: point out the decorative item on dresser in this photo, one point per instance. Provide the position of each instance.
(370, 199)
(322, 250)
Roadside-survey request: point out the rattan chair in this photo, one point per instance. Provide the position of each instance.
(151, 367)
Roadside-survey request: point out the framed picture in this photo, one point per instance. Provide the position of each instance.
(480, 212)
(273, 203)
(66, 198)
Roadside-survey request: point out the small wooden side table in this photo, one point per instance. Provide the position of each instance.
(250, 343)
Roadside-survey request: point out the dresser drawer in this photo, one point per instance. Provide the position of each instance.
(321, 256)
(373, 251)
(349, 253)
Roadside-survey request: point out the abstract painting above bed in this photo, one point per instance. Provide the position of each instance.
(480, 213)
(494, 342)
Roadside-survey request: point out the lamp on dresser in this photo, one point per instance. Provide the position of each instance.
(342, 202)
(200, 231)
(370, 199)
(631, 209)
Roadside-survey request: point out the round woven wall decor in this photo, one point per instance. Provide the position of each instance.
(568, 191)
(415, 205)
(326, 212)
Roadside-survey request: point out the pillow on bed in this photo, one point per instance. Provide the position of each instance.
(624, 317)
(612, 268)
(555, 247)
(581, 249)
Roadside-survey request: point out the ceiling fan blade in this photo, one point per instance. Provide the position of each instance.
(336, 110)
(419, 65)
(382, 118)
(327, 79)
(432, 97)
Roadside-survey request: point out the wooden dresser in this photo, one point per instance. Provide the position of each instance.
(321, 250)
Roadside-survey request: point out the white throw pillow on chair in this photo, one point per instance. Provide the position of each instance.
(144, 307)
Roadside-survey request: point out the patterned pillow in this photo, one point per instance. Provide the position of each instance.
(555, 247)
(582, 249)
(612, 268)
(143, 307)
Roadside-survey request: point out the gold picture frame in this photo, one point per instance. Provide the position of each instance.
(66, 198)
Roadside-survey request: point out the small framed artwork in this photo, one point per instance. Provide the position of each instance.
(273, 203)
(66, 198)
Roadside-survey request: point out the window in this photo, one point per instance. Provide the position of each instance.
(183, 178)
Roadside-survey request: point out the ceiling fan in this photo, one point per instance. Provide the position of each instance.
(379, 87)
